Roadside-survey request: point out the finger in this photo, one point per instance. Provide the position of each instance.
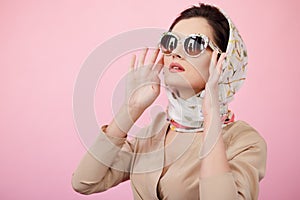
(154, 57)
(214, 74)
(220, 62)
(143, 57)
(212, 66)
(213, 62)
(132, 62)
(159, 65)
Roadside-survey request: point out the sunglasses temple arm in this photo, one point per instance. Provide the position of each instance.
(214, 47)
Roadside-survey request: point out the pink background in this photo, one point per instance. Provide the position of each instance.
(42, 48)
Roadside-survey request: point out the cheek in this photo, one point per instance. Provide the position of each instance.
(166, 60)
(197, 78)
(200, 68)
(204, 69)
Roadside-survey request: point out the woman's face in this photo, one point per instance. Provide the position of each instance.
(192, 79)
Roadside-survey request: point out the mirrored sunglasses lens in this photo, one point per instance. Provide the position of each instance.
(194, 45)
(168, 43)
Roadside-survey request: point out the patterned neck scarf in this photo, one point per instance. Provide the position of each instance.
(185, 115)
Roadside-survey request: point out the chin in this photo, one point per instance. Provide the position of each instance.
(177, 82)
(172, 79)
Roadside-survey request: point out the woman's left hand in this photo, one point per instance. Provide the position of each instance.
(211, 105)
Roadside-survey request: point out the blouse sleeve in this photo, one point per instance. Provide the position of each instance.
(106, 164)
(246, 152)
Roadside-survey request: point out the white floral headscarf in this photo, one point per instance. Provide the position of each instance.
(234, 66)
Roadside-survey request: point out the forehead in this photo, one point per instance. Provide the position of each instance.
(193, 25)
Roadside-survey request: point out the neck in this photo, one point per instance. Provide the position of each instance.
(185, 93)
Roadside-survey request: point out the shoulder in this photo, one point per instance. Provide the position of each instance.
(241, 130)
(246, 150)
(240, 136)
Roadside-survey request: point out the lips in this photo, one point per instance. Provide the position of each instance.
(176, 67)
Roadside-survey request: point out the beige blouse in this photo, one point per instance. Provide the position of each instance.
(142, 160)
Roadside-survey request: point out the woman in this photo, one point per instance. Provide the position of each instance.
(195, 150)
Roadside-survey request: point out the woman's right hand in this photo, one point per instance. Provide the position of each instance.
(143, 83)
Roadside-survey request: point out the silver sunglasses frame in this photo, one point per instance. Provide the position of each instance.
(207, 41)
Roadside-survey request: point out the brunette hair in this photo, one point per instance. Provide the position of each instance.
(215, 19)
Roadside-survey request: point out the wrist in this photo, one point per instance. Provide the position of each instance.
(134, 108)
(124, 120)
(212, 122)
(133, 111)
(213, 112)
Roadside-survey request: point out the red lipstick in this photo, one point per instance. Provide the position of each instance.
(176, 67)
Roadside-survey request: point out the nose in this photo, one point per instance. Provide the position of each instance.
(175, 55)
(178, 52)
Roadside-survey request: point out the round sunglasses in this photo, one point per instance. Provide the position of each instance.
(193, 45)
